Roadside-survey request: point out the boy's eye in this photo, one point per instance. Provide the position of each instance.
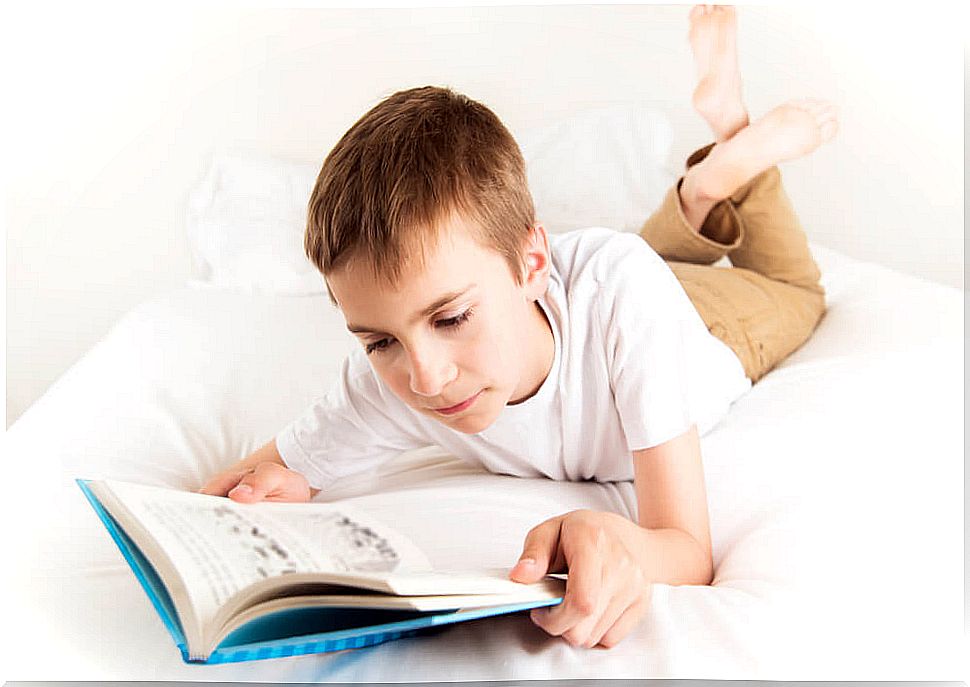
(377, 346)
(451, 322)
(456, 321)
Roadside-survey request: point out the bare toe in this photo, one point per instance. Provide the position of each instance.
(821, 110)
(828, 129)
(807, 104)
(825, 111)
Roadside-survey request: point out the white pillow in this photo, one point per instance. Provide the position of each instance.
(246, 221)
(605, 167)
(599, 167)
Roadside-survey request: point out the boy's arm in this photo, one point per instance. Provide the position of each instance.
(613, 562)
(266, 475)
(672, 507)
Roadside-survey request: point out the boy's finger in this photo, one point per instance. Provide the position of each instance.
(628, 620)
(256, 485)
(221, 484)
(244, 492)
(584, 595)
(616, 607)
(541, 545)
(271, 482)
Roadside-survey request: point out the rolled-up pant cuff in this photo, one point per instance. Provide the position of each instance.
(670, 234)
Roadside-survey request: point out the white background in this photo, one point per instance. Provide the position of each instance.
(112, 111)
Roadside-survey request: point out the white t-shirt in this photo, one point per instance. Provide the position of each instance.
(634, 367)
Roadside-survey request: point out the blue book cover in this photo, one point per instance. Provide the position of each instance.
(293, 631)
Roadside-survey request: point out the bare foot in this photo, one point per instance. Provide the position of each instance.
(787, 132)
(717, 97)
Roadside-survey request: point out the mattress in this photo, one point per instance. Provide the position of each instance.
(835, 491)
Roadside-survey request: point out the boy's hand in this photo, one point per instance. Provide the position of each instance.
(607, 592)
(267, 481)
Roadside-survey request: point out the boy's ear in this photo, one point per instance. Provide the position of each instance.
(537, 265)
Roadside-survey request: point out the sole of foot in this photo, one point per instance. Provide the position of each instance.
(789, 131)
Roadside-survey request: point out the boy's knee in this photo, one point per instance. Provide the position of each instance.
(816, 306)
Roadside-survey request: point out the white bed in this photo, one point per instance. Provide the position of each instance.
(835, 485)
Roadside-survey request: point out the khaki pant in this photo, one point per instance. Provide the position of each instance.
(769, 302)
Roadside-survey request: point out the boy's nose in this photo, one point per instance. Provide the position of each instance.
(430, 374)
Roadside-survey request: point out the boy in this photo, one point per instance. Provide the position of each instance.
(589, 359)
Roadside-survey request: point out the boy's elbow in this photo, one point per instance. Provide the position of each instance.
(708, 578)
(705, 564)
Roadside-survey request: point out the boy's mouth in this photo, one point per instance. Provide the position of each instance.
(451, 410)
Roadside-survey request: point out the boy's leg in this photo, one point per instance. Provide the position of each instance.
(769, 303)
(670, 234)
(731, 202)
(763, 321)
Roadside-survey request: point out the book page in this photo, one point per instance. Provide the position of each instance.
(220, 547)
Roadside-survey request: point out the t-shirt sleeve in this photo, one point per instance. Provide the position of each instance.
(354, 427)
(647, 327)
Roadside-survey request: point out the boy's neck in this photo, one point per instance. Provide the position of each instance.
(543, 344)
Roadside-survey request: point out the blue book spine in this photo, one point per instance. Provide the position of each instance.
(144, 571)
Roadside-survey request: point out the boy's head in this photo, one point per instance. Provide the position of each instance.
(403, 169)
(424, 196)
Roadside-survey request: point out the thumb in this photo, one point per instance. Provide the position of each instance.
(222, 483)
(540, 549)
(254, 486)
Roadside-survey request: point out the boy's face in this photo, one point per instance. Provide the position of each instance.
(458, 330)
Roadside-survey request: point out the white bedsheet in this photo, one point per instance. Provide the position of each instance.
(835, 489)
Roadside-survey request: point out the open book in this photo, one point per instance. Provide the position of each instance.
(236, 582)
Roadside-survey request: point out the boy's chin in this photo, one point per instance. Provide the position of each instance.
(475, 421)
(470, 424)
